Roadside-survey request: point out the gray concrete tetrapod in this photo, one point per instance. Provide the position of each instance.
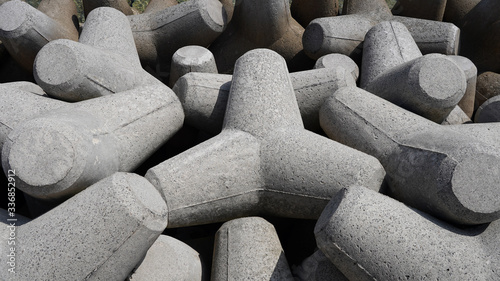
(120, 5)
(204, 96)
(99, 234)
(335, 61)
(393, 68)
(457, 116)
(345, 34)
(191, 59)
(263, 161)
(488, 86)
(423, 9)
(318, 267)
(304, 11)
(470, 71)
(261, 24)
(103, 62)
(480, 31)
(370, 236)
(489, 111)
(429, 166)
(249, 249)
(168, 259)
(18, 106)
(61, 152)
(158, 35)
(24, 30)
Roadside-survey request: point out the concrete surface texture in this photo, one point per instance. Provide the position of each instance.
(99, 234)
(429, 166)
(158, 35)
(345, 34)
(263, 161)
(249, 249)
(204, 96)
(103, 62)
(394, 69)
(318, 267)
(423, 9)
(261, 24)
(168, 259)
(304, 11)
(120, 5)
(94, 139)
(191, 59)
(488, 86)
(370, 236)
(24, 30)
(159, 5)
(489, 111)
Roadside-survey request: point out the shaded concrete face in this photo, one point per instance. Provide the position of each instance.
(429, 167)
(158, 35)
(488, 86)
(249, 248)
(120, 5)
(24, 30)
(263, 156)
(305, 11)
(371, 236)
(261, 24)
(102, 233)
(426, 9)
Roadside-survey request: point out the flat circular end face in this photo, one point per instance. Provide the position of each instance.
(489, 111)
(441, 80)
(216, 13)
(12, 15)
(41, 157)
(313, 38)
(193, 54)
(476, 183)
(56, 64)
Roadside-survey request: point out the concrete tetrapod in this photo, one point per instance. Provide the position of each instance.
(168, 259)
(370, 236)
(263, 161)
(345, 34)
(393, 68)
(429, 166)
(191, 59)
(304, 11)
(18, 106)
(489, 111)
(99, 234)
(61, 152)
(204, 96)
(423, 9)
(158, 35)
(488, 86)
(104, 62)
(261, 24)
(318, 267)
(249, 249)
(24, 30)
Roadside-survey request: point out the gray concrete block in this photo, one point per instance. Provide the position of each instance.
(457, 116)
(249, 249)
(158, 35)
(191, 59)
(370, 236)
(489, 111)
(429, 166)
(470, 70)
(263, 161)
(24, 30)
(63, 151)
(168, 259)
(99, 234)
(318, 267)
(204, 96)
(261, 24)
(19, 105)
(338, 60)
(345, 34)
(103, 62)
(304, 11)
(426, 9)
(394, 69)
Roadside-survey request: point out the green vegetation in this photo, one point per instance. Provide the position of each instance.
(140, 5)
